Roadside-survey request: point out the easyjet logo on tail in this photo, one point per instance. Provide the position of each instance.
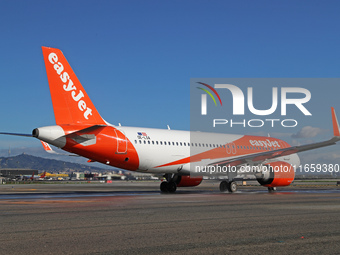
(69, 86)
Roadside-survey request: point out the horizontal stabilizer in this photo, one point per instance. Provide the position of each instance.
(49, 149)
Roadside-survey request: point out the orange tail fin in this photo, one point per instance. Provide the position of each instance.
(71, 103)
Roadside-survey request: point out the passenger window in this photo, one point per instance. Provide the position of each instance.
(148, 142)
(160, 142)
(144, 142)
(140, 141)
(153, 142)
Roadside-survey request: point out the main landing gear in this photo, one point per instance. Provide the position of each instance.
(231, 186)
(271, 189)
(170, 185)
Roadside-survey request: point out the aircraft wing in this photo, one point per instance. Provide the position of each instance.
(16, 134)
(258, 158)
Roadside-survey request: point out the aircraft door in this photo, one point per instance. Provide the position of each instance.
(231, 148)
(121, 142)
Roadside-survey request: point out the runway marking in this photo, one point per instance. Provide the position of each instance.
(44, 202)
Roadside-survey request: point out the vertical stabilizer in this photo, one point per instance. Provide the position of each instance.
(71, 104)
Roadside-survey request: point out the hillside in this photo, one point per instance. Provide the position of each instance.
(25, 161)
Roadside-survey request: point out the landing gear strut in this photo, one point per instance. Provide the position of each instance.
(230, 186)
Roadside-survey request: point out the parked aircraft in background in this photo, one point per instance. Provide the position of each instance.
(81, 130)
(38, 177)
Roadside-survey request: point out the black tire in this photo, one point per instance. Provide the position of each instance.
(271, 189)
(232, 187)
(223, 186)
(172, 187)
(164, 187)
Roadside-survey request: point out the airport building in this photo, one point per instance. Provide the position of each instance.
(12, 173)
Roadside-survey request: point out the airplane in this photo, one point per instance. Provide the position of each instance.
(39, 177)
(32, 177)
(81, 130)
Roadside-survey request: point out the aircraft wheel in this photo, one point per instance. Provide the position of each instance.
(223, 186)
(271, 189)
(172, 187)
(164, 187)
(232, 187)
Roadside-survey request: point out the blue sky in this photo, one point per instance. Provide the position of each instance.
(135, 58)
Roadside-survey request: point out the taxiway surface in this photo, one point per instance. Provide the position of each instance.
(134, 218)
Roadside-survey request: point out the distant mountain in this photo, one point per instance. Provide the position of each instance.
(40, 152)
(25, 161)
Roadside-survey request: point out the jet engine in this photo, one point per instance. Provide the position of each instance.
(276, 174)
(188, 181)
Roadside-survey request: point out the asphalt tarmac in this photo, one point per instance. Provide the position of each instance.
(134, 218)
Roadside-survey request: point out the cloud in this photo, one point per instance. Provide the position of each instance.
(331, 155)
(308, 132)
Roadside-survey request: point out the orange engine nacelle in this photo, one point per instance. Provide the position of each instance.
(277, 174)
(188, 181)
